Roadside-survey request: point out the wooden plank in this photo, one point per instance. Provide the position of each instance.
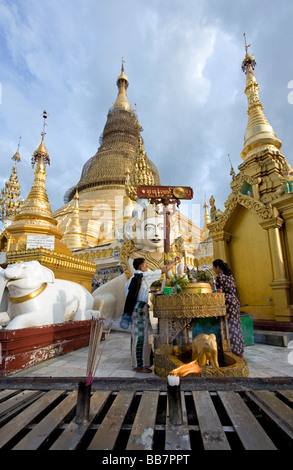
(23, 419)
(212, 433)
(288, 394)
(177, 437)
(42, 430)
(152, 383)
(106, 435)
(278, 411)
(17, 400)
(142, 432)
(250, 432)
(73, 433)
(4, 394)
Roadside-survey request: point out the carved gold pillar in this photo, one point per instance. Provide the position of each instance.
(220, 244)
(280, 284)
(287, 215)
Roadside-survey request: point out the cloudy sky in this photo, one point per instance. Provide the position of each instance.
(183, 62)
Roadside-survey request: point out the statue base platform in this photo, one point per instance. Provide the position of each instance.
(177, 314)
(233, 366)
(28, 347)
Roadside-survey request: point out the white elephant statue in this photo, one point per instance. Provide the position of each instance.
(3, 292)
(205, 350)
(36, 298)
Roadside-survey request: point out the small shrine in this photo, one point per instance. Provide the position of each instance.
(179, 305)
(32, 233)
(254, 234)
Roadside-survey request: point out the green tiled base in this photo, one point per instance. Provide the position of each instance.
(211, 325)
(247, 329)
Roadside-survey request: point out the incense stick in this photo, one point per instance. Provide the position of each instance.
(97, 326)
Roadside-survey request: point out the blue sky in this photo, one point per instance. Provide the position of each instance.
(183, 61)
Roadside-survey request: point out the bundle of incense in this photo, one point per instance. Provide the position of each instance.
(174, 400)
(97, 327)
(84, 387)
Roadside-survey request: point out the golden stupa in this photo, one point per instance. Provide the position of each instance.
(33, 232)
(254, 233)
(101, 187)
(107, 190)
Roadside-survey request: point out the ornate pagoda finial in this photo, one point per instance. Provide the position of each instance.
(249, 60)
(16, 156)
(232, 171)
(259, 132)
(41, 151)
(36, 205)
(122, 84)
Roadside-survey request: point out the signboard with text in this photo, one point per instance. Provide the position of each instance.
(40, 241)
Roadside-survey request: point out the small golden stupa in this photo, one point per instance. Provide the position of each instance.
(10, 203)
(33, 233)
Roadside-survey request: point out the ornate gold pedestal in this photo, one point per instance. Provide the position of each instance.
(175, 313)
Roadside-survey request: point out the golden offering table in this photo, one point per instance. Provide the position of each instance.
(176, 313)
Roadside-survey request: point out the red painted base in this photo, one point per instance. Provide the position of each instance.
(27, 347)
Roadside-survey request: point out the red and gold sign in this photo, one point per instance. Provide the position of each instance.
(165, 192)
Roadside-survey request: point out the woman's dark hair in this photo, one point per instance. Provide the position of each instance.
(219, 263)
(137, 262)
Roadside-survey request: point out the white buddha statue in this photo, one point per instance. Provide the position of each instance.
(143, 237)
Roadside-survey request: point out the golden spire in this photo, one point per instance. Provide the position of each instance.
(259, 132)
(73, 236)
(36, 205)
(205, 230)
(16, 156)
(122, 83)
(10, 203)
(141, 173)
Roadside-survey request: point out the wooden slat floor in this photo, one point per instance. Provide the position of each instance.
(217, 415)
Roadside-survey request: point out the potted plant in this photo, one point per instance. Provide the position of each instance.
(199, 284)
(178, 283)
(203, 281)
(156, 285)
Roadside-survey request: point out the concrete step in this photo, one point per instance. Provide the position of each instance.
(273, 338)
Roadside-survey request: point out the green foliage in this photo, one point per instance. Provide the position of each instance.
(203, 276)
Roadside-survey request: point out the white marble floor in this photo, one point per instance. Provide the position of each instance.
(263, 361)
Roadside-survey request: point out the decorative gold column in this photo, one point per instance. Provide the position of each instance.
(280, 284)
(220, 243)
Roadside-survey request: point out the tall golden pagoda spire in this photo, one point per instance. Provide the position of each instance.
(10, 203)
(73, 236)
(122, 83)
(141, 174)
(259, 132)
(36, 205)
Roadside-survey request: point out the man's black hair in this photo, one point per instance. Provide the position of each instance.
(137, 262)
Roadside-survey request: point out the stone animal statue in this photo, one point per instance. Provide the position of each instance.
(36, 298)
(205, 350)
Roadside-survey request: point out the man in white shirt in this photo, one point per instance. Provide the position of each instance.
(141, 329)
